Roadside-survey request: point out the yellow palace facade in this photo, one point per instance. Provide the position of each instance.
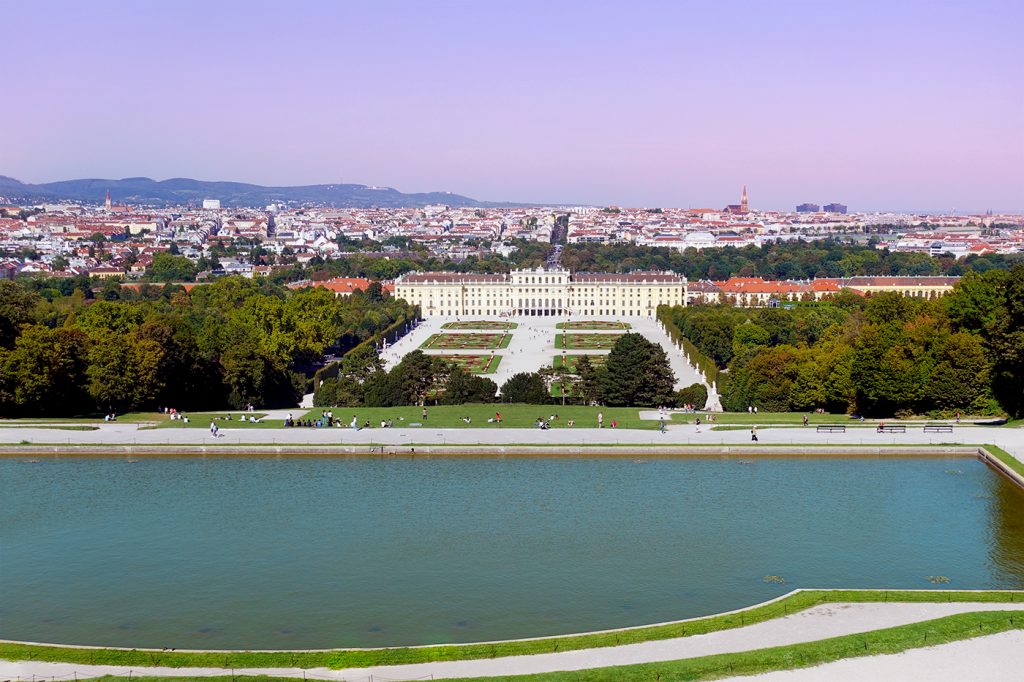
(541, 293)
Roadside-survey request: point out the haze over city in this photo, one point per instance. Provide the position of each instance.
(879, 105)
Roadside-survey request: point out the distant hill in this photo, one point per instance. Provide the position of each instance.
(183, 191)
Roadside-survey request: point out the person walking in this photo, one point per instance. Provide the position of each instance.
(753, 433)
(805, 420)
(661, 426)
(600, 420)
(424, 413)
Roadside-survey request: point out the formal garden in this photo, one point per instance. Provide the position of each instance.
(470, 341)
(483, 325)
(586, 341)
(594, 325)
(475, 364)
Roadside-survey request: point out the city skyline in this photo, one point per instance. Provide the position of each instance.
(867, 106)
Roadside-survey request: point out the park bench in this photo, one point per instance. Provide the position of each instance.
(831, 428)
(938, 428)
(892, 429)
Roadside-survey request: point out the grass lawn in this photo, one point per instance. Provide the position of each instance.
(1006, 458)
(765, 418)
(475, 364)
(201, 420)
(594, 325)
(571, 360)
(479, 324)
(586, 341)
(513, 416)
(470, 341)
(882, 641)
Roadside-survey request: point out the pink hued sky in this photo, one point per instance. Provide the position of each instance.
(878, 104)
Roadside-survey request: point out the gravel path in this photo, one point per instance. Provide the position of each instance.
(820, 622)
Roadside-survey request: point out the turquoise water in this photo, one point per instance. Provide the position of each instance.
(318, 552)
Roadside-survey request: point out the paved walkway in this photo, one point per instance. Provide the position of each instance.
(1010, 439)
(820, 622)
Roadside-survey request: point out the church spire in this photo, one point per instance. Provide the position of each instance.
(743, 200)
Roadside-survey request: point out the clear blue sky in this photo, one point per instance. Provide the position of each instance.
(880, 104)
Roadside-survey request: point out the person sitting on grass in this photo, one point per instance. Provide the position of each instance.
(467, 420)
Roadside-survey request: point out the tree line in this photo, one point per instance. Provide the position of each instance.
(881, 355)
(778, 260)
(234, 342)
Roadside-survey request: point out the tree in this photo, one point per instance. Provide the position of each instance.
(695, 394)
(525, 387)
(124, 372)
(1006, 340)
(637, 372)
(463, 387)
(17, 307)
(44, 374)
(588, 389)
(167, 267)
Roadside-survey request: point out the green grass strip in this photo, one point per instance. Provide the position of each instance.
(1006, 458)
(359, 658)
(878, 642)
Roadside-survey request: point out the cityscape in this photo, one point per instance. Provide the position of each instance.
(526, 342)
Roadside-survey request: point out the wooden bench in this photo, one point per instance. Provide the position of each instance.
(892, 429)
(831, 428)
(937, 428)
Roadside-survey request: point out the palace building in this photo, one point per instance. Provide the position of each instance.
(541, 293)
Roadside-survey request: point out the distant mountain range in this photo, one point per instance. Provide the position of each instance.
(184, 191)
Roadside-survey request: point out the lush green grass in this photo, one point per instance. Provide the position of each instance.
(878, 642)
(404, 655)
(765, 418)
(1006, 458)
(573, 360)
(594, 325)
(586, 341)
(475, 364)
(201, 420)
(513, 416)
(888, 641)
(483, 325)
(471, 341)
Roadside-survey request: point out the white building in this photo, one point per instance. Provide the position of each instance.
(211, 204)
(541, 293)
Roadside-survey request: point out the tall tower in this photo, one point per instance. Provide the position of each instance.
(744, 208)
(108, 200)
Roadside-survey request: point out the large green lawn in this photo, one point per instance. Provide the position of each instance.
(513, 416)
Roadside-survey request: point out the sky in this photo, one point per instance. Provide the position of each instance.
(877, 104)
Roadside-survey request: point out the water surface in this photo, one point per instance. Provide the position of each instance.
(316, 552)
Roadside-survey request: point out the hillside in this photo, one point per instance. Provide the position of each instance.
(180, 191)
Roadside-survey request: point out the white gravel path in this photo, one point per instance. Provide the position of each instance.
(820, 622)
